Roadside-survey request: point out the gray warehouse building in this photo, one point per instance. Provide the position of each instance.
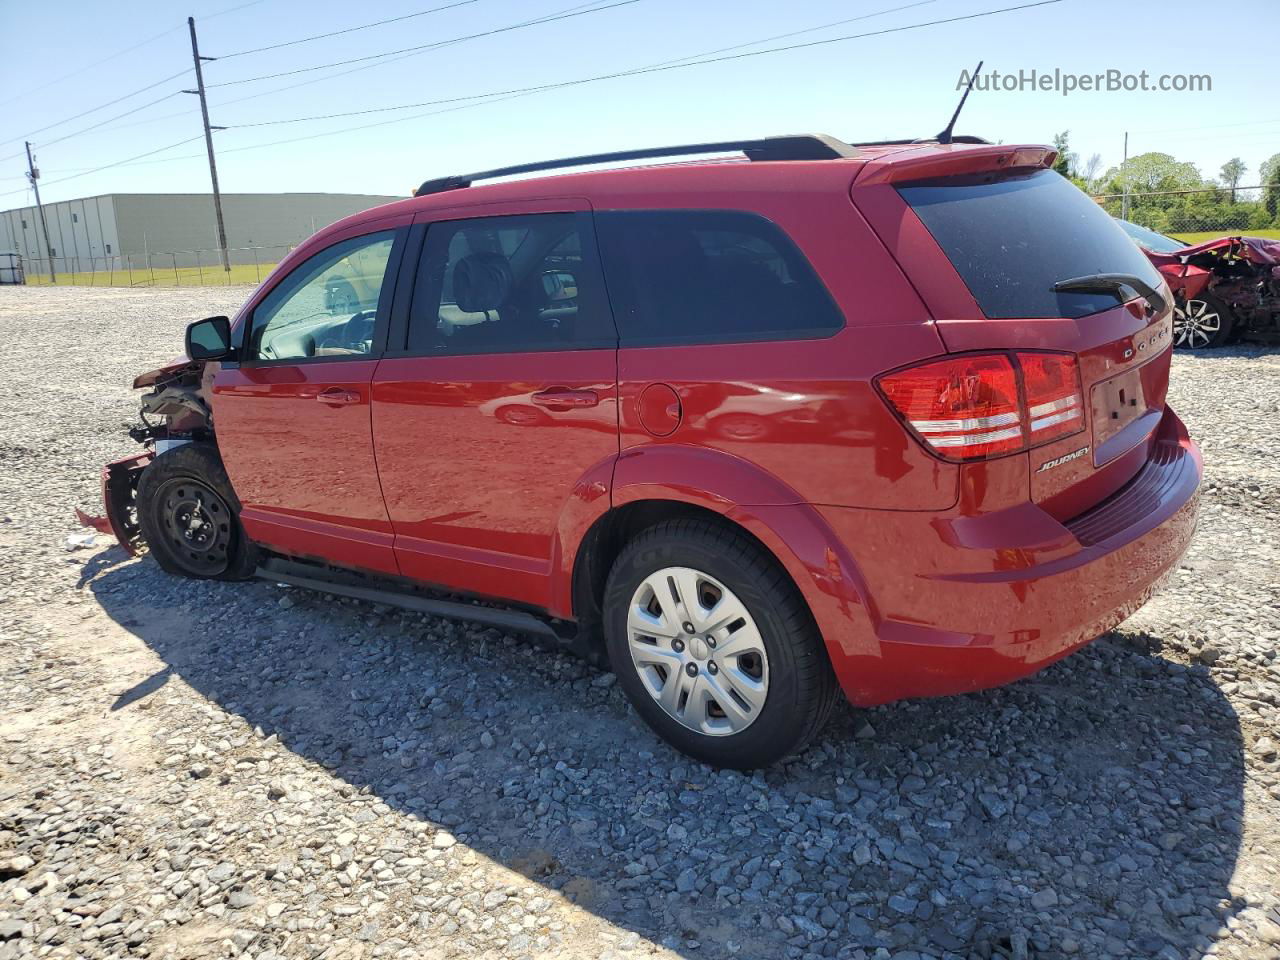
(179, 227)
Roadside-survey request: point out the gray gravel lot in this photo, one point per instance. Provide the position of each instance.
(208, 770)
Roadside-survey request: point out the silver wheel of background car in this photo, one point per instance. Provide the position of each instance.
(1196, 324)
(698, 651)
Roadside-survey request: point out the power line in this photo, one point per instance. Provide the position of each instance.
(344, 73)
(96, 63)
(551, 18)
(116, 163)
(796, 33)
(379, 123)
(101, 106)
(223, 13)
(559, 14)
(138, 163)
(500, 96)
(368, 66)
(487, 99)
(305, 83)
(103, 123)
(653, 68)
(1211, 126)
(338, 33)
(121, 53)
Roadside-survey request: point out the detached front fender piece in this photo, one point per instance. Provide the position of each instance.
(119, 497)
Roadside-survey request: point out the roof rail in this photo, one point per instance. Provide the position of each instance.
(808, 146)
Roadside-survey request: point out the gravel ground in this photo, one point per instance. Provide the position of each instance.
(207, 770)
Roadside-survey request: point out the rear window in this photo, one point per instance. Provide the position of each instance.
(1149, 239)
(1013, 239)
(709, 276)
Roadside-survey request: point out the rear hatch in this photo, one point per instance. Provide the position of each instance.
(993, 233)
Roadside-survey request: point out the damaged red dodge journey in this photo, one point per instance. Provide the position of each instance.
(883, 418)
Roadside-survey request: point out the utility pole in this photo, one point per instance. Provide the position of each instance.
(34, 176)
(208, 142)
(1124, 203)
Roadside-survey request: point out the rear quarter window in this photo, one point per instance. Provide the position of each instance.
(1012, 239)
(709, 276)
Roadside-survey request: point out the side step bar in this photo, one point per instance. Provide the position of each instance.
(320, 578)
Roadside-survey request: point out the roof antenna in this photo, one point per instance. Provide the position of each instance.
(945, 135)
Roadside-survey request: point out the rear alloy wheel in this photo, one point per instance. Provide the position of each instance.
(1201, 323)
(714, 645)
(188, 515)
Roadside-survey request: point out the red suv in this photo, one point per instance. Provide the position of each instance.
(884, 418)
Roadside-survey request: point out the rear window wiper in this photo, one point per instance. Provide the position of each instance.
(1114, 283)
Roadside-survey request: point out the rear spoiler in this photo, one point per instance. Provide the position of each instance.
(953, 161)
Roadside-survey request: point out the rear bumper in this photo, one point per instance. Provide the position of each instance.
(966, 613)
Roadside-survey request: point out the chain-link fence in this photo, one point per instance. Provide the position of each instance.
(174, 268)
(1202, 213)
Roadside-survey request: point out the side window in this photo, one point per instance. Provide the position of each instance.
(510, 284)
(329, 305)
(699, 276)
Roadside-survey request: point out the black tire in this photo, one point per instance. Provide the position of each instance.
(190, 516)
(801, 688)
(1202, 322)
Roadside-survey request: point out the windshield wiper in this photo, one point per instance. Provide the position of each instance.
(1114, 283)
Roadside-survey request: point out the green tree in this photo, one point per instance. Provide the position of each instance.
(1089, 172)
(1269, 175)
(1266, 172)
(1271, 192)
(1151, 172)
(1066, 162)
(1232, 173)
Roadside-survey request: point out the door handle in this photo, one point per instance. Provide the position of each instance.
(560, 398)
(337, 396)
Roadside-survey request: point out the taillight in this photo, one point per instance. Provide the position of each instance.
(977, 406)
(963, 408)
(1055, 407)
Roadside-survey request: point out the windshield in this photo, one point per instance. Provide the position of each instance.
(1149, 239)
(1012, 239)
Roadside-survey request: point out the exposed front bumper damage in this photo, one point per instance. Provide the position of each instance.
(119, 497)
(175, 411)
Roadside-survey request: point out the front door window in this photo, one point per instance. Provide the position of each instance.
(328, 306)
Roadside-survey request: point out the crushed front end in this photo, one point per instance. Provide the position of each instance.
(174, 411)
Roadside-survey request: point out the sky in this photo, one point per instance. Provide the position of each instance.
(62, 64)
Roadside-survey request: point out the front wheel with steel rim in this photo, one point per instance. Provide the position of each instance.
(189, 516)
(714, 645)
(1201, 322)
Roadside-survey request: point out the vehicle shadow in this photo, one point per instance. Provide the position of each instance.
(1093, 810)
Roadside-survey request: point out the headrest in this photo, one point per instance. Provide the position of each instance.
(481, 281)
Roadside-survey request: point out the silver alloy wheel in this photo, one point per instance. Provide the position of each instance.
(698, 651)
(1195, 324)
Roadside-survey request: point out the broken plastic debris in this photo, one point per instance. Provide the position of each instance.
(101, 524)
(81, 541)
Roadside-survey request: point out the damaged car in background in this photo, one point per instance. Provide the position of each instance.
(1223, 289)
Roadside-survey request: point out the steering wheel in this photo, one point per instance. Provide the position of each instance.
(358, 331)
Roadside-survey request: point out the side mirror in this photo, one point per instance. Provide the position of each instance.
(210, 339)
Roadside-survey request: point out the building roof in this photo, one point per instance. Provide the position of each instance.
(225, 196)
